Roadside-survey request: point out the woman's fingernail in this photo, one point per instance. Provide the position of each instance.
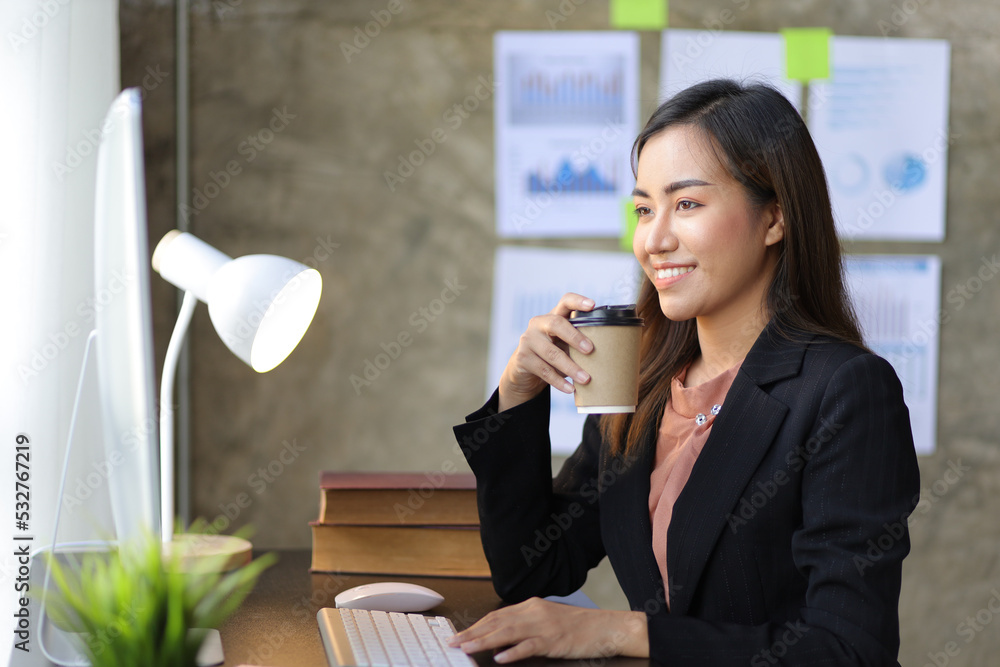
(582, 376)
(586, 346)
(588, 303)
(501, 657)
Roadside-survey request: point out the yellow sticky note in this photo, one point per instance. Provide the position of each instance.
(807, 53)
(629, 222)
(639, 14)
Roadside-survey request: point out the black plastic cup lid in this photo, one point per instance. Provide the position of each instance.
(617, 316)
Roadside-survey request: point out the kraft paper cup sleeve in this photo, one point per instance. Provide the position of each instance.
(613, 366)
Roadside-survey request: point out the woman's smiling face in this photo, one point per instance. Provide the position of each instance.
(708, 252)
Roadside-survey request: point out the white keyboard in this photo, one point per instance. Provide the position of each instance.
(359, 638)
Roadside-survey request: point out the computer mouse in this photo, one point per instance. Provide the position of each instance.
(389, 596)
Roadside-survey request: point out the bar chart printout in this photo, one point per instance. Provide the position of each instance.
(566, 117)
(529, 282)
(558, 90)
(897, 299)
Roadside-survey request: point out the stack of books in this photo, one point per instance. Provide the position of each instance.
(398, 523)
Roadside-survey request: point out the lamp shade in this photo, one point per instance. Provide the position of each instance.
(260, 305)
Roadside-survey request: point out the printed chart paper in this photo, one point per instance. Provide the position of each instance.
(881, 126)
(880, 123)
(529, 282)
(691, 56)
(565, 119)
(898, 301)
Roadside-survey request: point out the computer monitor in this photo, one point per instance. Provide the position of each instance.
(124, 342)
(123, 349)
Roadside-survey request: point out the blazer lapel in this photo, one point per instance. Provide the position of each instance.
(741, 435)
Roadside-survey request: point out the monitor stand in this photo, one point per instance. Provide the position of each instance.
(62, 647)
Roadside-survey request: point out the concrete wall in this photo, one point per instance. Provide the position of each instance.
(316, 189)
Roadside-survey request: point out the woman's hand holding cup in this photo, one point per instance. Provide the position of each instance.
(541, 356)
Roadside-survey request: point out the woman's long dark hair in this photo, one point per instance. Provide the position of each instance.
(763, 143)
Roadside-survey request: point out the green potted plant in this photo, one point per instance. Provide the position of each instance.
(137, 606)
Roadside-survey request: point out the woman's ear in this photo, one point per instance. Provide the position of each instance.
(775, 224)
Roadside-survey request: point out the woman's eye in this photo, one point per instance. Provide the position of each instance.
(687, 205)
(641, 211)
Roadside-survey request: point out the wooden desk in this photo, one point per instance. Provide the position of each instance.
(276, 625)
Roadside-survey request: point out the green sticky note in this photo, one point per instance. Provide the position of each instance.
(807, 53)
(639, 14)
(629, 222)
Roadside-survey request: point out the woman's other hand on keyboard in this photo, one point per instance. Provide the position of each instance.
(543, 628)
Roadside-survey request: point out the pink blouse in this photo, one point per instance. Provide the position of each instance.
(681, 438)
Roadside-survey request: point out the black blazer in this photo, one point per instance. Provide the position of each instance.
(786, 544)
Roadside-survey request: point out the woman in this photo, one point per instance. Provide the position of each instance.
(768, 471)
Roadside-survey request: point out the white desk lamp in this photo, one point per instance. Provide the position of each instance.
(260, 305)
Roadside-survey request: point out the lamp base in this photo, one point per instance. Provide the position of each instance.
(208, 553)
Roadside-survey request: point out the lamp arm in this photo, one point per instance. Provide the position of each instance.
(167, 415)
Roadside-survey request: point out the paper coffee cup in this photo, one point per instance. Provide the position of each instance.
(613, 364)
